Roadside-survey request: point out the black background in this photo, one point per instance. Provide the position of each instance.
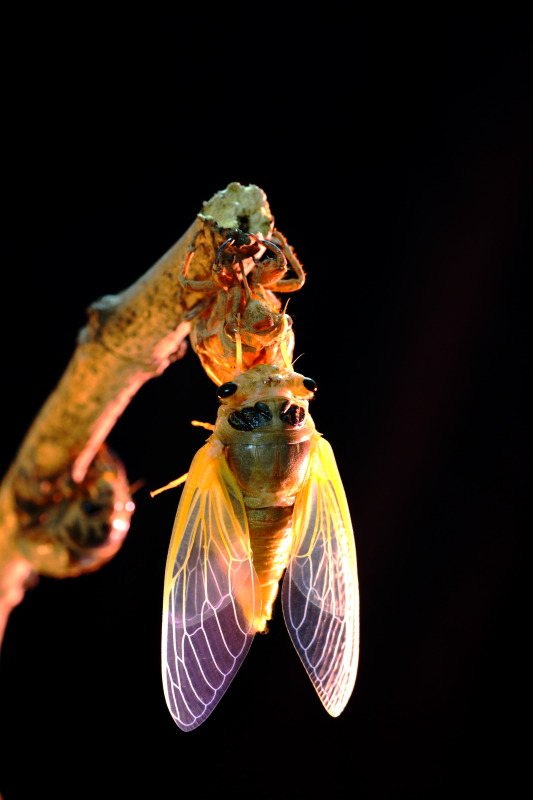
(395, 153)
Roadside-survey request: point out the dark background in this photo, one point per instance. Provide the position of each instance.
(394, 149)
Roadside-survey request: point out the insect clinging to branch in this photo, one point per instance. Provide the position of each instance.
(263, 497)
(239, 322)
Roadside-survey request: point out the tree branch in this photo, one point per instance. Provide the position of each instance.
(64, 503)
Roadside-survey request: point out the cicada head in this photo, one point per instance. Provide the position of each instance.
(266, 398)
(266, 381)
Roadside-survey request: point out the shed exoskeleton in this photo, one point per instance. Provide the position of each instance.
(239, 322)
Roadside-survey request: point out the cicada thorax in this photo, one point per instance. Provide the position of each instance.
(267, 433)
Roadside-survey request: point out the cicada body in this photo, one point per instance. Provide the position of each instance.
(263, 497)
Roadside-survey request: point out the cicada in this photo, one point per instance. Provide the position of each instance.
(263, 496)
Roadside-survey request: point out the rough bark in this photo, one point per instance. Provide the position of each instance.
(64, 503)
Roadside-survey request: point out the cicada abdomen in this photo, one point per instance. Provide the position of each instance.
(263, 496)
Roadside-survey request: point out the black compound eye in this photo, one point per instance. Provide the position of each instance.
(310, 384)
(226, 390)
(250, 417)
(292, 415)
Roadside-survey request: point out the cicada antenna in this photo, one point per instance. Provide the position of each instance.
(296, 359)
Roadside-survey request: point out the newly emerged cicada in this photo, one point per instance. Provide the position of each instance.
(262, 496)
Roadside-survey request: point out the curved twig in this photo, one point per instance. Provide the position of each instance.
(64, 503)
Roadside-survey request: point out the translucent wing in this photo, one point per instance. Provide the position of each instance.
(212, 597)
(320, 591)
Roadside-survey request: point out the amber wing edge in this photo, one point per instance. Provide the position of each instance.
(212, 597)
(320, 595)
